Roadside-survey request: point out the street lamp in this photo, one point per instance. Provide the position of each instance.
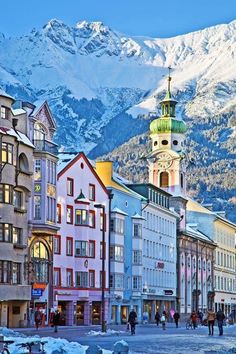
(101, 206)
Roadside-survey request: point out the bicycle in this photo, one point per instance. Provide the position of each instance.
(5, 349)
(29, 346)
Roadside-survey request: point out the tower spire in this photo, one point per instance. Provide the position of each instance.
(169, 78)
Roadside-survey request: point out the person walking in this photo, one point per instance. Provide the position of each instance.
(37, 319)
(176, 318)
(194, 319)
(132, 321)
(163, 320)
(211, 316)
(220, 316)
(56, 320)
(157, 318)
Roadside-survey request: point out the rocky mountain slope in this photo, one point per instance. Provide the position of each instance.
(101, 84)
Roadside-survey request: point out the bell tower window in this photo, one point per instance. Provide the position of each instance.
(182, 180)
(164, 179)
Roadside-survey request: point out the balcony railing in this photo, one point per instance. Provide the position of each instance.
(47, 146)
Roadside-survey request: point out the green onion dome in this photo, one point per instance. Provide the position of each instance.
(167, 125)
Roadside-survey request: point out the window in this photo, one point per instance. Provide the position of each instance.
(57, 277)
(16, 279)
(69, 246)
(164, 179)
(182, 180)
(81, 217)
(69, 277)
(51, 209)
(117, 253)
(102, 277)
(175, 142)
(17, 236)
(58, 213)
(40, 257)
(37, 170)
(92, 278)
(81, 248)
(5, 272)
(18, 199)
(69, 214)
(39, 132)
(137, 257)
(4, 112)
(57, 244)
(81, 279)
(101, 250)
(51, 172)
(138, 230)
(92, 192)
(5, 232)
(117, 225)
(70, 186)
(92, 218)
(164, 142)
(137, 282)
(6, 195)
(37, 207)
(7, 153)
(116, 281)
(103, 220)
(91, 249)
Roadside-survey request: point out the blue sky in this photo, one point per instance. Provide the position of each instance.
(154, 18)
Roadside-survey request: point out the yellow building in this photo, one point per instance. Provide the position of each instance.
(222, 232)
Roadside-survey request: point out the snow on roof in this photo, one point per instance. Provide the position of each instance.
(38, 104)
(3, 93)
(120, 179)
(191, 229)
(64, 159)
(18, 111)
(138, 216)
(18, 135)
(119, 211)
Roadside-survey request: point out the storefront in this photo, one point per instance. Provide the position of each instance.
(96, 312)
(150, 307)
(80, 313)
(124, 314)
(66, 309)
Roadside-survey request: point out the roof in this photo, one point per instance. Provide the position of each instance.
(119, 211)
(196, 233)
(38, 105)
(3, 93)
(18, 135)
(137, 216)
(18, 111)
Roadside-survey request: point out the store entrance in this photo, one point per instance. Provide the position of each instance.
(62, 309)
(96, 312)
(80, 313)
(124, 313)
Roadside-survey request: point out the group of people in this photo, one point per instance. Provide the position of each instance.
(55, 319)
(211, 316)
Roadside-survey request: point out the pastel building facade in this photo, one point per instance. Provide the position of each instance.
(16, 169)
(78, 247)
(222, 232)
(126, 246)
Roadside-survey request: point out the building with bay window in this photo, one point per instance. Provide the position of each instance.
(16, 169)
(79, 246)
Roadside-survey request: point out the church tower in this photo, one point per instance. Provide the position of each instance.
(167, 168)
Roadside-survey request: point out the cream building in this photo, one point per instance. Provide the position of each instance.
(222, 232)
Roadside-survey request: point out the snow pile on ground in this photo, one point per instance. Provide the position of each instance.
(109, 332)
(63, 346)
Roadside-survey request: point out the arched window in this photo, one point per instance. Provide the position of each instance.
(40, 258)
(39, 132)
(23, 163)
(164, 179)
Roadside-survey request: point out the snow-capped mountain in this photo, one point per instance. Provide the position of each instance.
(101, 84)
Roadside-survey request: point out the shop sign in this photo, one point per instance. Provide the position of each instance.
(36, 292)
(223, 300)
(160, 265)
(51, 191)
(152, 291)
(168, 292)
(41, 286)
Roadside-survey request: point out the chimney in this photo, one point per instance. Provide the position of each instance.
(14, 123)
(208, 206)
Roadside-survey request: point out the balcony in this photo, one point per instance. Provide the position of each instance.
(46, 146)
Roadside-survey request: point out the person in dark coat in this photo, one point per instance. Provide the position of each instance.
(176, 318)
(157, 318)
(132, 321)
(220, 316)
(194, 319)
(56, 320)
(37, 318)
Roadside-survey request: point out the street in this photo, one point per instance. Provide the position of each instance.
(148, 338)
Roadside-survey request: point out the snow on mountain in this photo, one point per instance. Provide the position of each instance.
(101, 83)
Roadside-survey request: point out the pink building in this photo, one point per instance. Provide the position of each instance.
(78, 246)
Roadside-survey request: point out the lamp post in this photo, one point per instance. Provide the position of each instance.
(101, 206)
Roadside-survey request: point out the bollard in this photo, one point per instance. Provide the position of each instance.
(121, 347)
(94, 349)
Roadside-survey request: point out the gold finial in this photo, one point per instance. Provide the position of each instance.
(169, 78)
